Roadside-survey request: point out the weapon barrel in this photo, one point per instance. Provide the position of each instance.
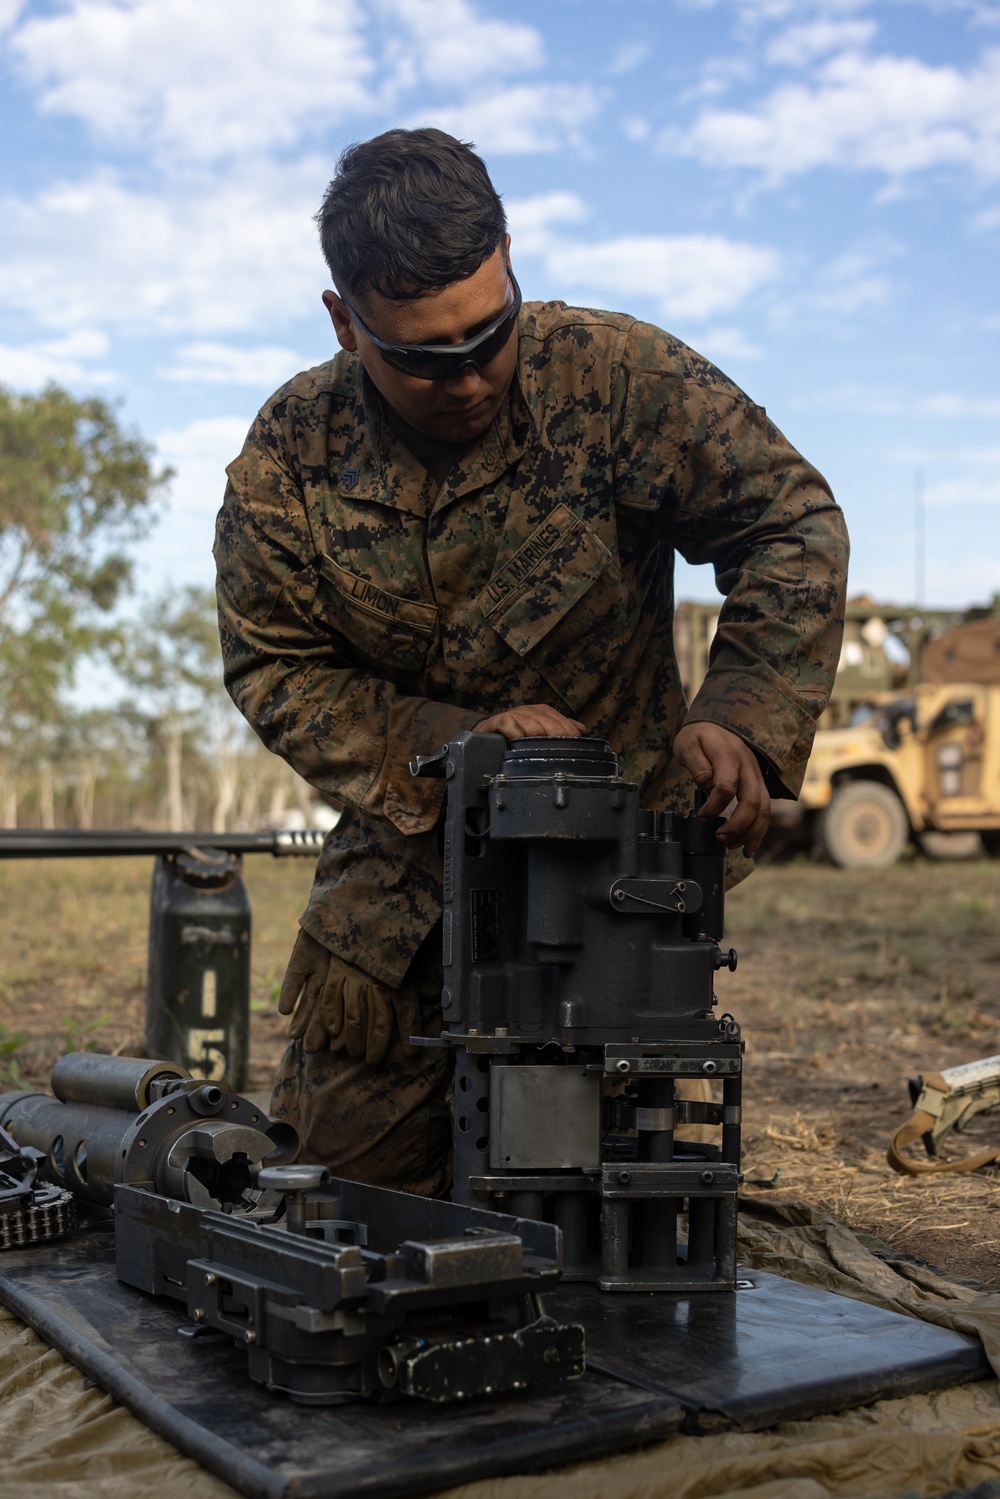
(45, 843)
(111, 1082)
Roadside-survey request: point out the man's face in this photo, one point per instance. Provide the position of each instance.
(457, 410)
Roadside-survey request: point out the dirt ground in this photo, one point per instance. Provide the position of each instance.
(848, 984)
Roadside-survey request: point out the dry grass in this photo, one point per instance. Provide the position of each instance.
(847, 986)
(73, 939)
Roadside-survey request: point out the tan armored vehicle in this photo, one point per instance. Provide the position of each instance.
(923, 761)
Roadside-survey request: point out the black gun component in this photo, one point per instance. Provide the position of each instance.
(337, 1291)
(31, 1212)
(73, 843)
(580, 945)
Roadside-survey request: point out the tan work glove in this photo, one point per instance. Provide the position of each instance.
(338, 1005)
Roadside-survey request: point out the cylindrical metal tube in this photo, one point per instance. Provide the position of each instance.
(81, 1141)
(614, 1236)
(112, 1082)
(732, 1097)
(526, 1204)
(705, 863)
(659, 1221)
(571, 1212)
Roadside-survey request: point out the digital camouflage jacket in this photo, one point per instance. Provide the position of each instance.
(365, 619)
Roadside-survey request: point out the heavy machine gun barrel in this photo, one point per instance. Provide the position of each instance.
(73, 843)
(337, 1291)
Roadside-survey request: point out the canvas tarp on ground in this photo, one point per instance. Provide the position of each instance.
(63, 1440)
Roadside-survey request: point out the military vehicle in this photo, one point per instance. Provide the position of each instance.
(923, 761)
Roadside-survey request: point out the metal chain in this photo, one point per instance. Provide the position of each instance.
(50, 1214)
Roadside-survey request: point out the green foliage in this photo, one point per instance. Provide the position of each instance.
(79, 1036)
(10, 1043)
(75, 489)
(171, 655)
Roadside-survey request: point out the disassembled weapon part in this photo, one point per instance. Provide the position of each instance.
(337, 1291)
(580, 945)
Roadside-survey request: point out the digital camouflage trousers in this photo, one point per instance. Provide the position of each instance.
(388, 1125)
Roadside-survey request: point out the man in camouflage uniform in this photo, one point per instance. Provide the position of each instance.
(467, 520)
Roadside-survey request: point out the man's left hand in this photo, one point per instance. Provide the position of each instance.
(726, 769)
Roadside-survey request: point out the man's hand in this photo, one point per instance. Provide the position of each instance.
(338, 1005)
(726, 768)
(531, 721)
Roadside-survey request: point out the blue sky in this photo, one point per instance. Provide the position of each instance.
(808, 191)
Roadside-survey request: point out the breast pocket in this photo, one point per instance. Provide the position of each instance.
(385, 630)
(571, 614)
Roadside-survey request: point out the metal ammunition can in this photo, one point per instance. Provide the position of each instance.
(198, 990)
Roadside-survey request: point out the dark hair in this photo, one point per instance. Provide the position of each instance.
(407, 213)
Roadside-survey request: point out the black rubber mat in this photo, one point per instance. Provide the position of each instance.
(657, 1363)
(776, 1351)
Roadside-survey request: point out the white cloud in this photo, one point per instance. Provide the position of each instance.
(203, 80)
(187, 258)
(725, 342)
(636, 129)
(448, 41)
(533, 221)
(688, 275)
(811, 39)
(967, 491)
(629, 56)
(59, 360)
(944, 405)
(199, 453)
(850, 283)
(955, 407)
(890, 114)
(226, 364)
(525, 118)
(691, 276)
(180, 550)
(202, 83)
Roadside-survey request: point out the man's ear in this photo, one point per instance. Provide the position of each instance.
(340, 317)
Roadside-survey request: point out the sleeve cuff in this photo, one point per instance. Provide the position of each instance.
(779, 731)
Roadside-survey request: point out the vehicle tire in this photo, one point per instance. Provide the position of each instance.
(991, 842)
(951, 845)
(864, 827)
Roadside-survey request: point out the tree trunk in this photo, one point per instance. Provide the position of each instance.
(279, 794)
(226, 777)
(175, 785)
(10, 799)
(46, 795)
(304, 797)
(83, 794)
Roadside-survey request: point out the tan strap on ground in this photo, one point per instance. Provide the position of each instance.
(948, 1099)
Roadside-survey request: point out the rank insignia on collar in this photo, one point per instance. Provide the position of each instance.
(349, 477)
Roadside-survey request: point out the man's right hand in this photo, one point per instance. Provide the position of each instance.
(532, 721)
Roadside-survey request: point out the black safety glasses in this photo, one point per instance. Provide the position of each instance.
(447, 361)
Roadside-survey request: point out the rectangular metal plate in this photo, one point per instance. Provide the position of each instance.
(544, 1118)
